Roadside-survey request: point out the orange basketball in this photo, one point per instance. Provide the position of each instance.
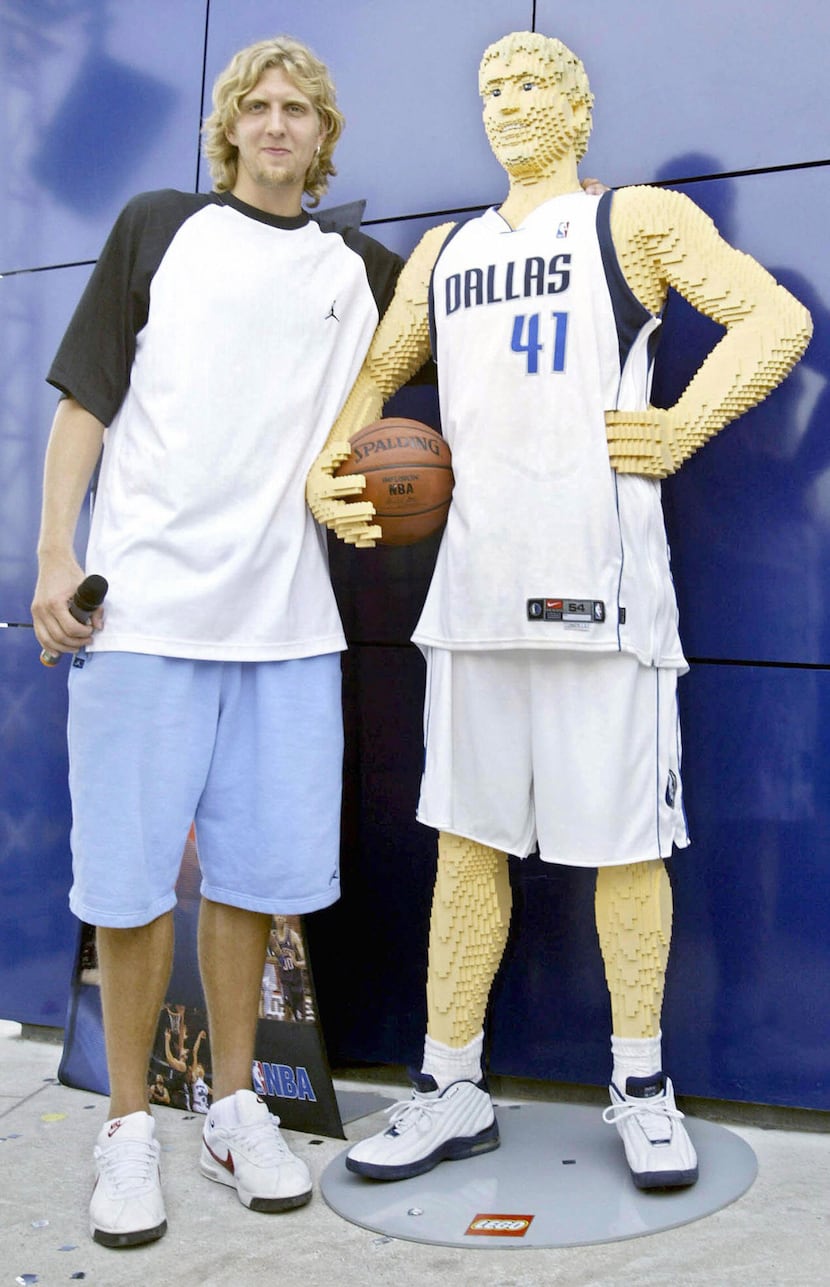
(409, 478)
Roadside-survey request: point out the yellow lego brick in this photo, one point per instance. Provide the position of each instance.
(468, 932)
(633, 908)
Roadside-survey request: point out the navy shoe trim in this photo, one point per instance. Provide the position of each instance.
(450, 1151)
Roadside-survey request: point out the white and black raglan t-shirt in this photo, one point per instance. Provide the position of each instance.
(217, 344)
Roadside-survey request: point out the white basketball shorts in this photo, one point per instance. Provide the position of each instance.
(578, 754)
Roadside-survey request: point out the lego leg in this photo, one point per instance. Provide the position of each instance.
(450, 1114)
(634, 913)
(633, 908)
(468, 932)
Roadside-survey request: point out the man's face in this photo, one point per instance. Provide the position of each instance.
(277, 134)
(529, 122)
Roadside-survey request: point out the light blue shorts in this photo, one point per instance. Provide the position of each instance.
(250, 751)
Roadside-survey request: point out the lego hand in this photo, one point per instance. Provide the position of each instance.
(648, 442)
(351, 521)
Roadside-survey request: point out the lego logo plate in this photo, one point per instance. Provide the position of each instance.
(490, 1225)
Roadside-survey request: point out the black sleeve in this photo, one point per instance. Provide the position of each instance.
(95, 357)
(96, 354)
(383, 267)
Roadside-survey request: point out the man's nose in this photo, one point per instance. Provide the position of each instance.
(276, 119)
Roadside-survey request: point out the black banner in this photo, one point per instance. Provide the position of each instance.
(290, 1069)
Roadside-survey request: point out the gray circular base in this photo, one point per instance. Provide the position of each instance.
(560, 1179)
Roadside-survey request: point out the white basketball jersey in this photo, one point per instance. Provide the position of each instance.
(536, 334)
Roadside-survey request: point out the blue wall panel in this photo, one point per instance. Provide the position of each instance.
(96, 106)
(101, 98)
(34, 309)
(749, 517)
(742, 81)
(37, 934)
(747, 1011)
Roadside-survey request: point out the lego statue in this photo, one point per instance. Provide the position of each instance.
(550, 625)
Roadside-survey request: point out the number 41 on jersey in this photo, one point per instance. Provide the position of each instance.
(526, 339)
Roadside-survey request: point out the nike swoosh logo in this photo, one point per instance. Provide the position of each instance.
(227, 1162)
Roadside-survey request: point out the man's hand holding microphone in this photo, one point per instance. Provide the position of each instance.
(65, 619)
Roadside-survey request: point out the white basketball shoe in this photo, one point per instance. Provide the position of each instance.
(127, 1207)
(659, 1152)
(433, 1126)
(249, 1154)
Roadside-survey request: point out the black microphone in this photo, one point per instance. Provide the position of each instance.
(88, 596)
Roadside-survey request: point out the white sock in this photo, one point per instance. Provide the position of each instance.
(635, 1057)
(449, 1063)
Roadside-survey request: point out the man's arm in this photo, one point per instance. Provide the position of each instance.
(299, 953)
(174, 1061)
(71, 456)
(663, 239)
(399, 349)
(194, 1058)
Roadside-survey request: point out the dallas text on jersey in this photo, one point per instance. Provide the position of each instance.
(498, 283)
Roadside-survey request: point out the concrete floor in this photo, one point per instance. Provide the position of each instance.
(777, 1233)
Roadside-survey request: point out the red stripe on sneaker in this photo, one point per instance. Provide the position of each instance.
(227, 1162)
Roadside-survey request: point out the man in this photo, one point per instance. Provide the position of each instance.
(290, 959)
(268, 1006)
(204, 358)
(197, 1085)
(157, 1091)
(550, 626)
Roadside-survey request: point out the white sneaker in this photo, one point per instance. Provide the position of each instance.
(252, 1157)
(433, 1126)
(657, 1146)
(127, 1207)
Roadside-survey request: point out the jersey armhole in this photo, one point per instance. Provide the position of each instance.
(629, 314)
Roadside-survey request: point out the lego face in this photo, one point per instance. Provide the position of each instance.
(529, 122)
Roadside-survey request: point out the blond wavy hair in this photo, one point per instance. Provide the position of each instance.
(565, 68)
(238, 79)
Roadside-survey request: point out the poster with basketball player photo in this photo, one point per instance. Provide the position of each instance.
(290, 1069)
(286, 985)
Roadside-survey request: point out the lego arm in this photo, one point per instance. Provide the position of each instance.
(663, 239)
(399, 349)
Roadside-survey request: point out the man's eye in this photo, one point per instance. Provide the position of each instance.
(495, 93)
(529, 84)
